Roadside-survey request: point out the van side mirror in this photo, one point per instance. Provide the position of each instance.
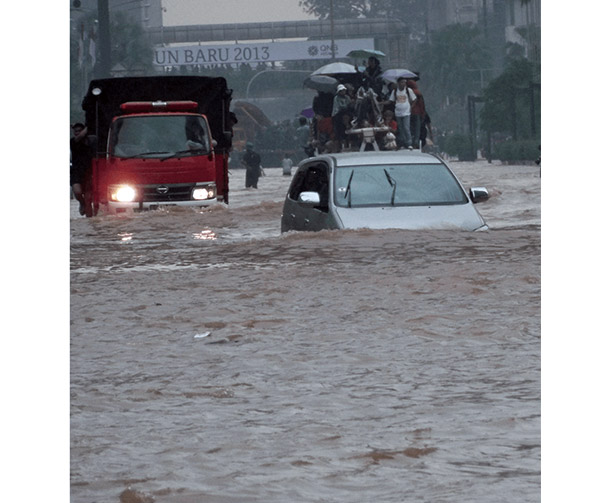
(478, 194)
(309, 198)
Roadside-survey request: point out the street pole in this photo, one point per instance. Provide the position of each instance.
(332, 30)
(485, 20)
(267, 71)
(103, 16)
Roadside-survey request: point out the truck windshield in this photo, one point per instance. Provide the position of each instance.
(396, 185)
(159, 136)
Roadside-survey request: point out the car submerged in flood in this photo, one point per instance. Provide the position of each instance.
(379, 190)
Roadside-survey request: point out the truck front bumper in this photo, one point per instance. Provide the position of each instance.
(125, 196)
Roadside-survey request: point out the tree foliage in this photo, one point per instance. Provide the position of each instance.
(508, 101)
(451, 63)
(341, 10)
(411, 12)
(130, 47)
(81, 63)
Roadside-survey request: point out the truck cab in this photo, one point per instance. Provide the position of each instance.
(157, 152)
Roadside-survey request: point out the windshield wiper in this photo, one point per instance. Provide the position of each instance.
(392, 183)
(145, 153)
(348, 191)
(179, 152)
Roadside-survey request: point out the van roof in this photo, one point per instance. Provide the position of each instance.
(381, 157)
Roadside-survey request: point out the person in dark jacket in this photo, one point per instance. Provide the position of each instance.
(323, 104)
(80, 168)
(252, 162)
(372, 74)
(426, 131)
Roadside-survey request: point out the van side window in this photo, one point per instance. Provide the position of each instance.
(297, 184)
(313, 178)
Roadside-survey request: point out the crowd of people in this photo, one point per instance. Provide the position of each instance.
(366, 113)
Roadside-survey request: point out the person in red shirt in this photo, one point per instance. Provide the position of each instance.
(388, 120)
(418, 113)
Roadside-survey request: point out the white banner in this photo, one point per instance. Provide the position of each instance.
(258, 52)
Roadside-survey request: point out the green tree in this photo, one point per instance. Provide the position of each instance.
(450, 64)
(341, 9)
(512, 102)
(81, 61)
(452, 61)
(130, 48)
(411, 12)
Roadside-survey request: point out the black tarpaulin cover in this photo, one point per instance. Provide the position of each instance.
(211, 94)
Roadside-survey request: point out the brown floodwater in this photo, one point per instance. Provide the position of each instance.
(215, 360)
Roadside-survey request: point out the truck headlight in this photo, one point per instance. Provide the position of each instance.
(122, 193)
(204, 192)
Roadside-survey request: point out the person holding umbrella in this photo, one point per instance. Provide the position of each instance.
(372, 75)
(403, 97)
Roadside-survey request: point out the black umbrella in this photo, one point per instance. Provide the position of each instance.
(365, 53)
(322, 83)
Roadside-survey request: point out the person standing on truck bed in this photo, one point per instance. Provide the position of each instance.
(252, 162)
(80, 168)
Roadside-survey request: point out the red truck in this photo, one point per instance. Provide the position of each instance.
(159, 141)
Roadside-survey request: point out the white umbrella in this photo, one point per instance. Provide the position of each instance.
(394, 74)
(336, 68)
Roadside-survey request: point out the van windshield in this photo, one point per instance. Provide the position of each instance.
(159, 136)
(397, 185)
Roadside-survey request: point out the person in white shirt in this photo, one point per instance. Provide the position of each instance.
(402, 97)
(341, 107)
(287, 165)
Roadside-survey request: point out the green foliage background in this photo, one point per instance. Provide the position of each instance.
(507, 102)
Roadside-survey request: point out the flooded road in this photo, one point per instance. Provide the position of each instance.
(215, 360)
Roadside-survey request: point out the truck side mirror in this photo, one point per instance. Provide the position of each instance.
(92, 141)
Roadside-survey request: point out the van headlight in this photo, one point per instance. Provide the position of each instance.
(204, 192)
(122, 193)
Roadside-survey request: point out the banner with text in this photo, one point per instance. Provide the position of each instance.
(257, 52)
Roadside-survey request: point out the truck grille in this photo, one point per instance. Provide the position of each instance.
(167, 193)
